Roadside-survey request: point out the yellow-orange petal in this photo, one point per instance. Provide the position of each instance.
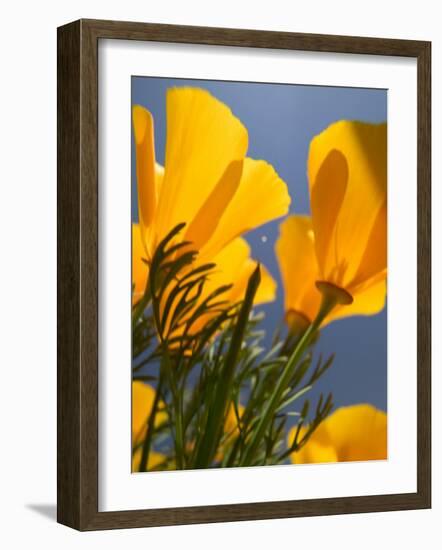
(353, 433)
(267, 286)
(231, 429)
(374, 259)
(325, 200)
(364, 147)
(159, 175)
(203, 138)
(318, 448)
(145, 165)
(140, 269)
(155, 459)
(298, 266)
(262, 196)
(231, 422)
(143, 397)
(368, 300)
(235, 266)
(206, 220)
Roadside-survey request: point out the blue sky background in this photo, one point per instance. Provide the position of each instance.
(281, 120)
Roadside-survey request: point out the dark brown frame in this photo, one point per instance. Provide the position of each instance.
(77, 224)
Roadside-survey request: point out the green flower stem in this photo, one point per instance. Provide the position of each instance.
(213, 428)
(177, 397)
(329, 301)
(150, 428)
(179, 443)
(177, 405)
(141, 306)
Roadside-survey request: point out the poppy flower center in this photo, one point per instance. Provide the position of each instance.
(297, 321)
(337, 294)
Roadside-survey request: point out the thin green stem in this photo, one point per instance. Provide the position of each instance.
(328, 303)
(180, 455)
(179, 427)
(141, 306)
(209, 441)
(150, 428)
(177, 404)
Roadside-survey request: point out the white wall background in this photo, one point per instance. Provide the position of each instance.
(28, 272)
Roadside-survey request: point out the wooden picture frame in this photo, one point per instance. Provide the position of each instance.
(77, 225)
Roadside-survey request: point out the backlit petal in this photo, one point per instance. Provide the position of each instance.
(364, 147)
(231, 422)
(159, 175)
(326, 199)
(262, 196)
(205, 222)
(367, 301)
(317, 449)
(203, 138)
(145, 165)
(374, 259)
(234, 267)
(143, 397)
(266, 291)
(267, 287)
(298, 266)
(139, 269)
(231, 429)
(314, 452)
(357, 432)
(155, 459)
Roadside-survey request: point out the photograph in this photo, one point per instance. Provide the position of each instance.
(218, 229)
(259, 274)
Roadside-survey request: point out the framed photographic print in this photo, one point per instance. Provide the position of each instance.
(243, 275)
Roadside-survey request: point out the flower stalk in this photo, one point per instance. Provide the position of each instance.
(215, 419)
(330, 298)
(150, 429)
